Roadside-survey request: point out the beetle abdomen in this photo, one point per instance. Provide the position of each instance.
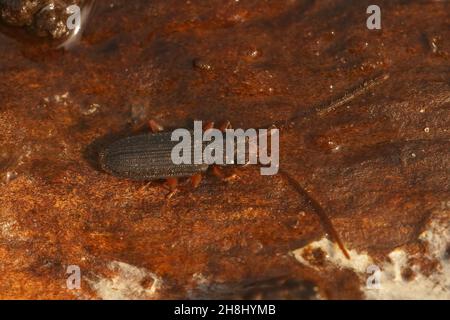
(146, 157)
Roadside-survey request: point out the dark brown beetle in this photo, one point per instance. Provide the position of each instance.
(148, 156)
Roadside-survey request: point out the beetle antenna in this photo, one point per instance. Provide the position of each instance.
(319, 210)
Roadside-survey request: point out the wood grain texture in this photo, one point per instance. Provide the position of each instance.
(378, 165)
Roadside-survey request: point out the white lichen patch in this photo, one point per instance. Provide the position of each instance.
(128, 283)
(434, 286)
(61, 97)
(358, 262)
(391, 284)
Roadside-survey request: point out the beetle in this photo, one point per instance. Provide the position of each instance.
(148, 156)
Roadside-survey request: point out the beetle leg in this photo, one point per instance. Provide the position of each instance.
(172, 184)
(225, 125)
(218, 172)
(196, 179)
(155, 126)
(145, 186)
(208, 125)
